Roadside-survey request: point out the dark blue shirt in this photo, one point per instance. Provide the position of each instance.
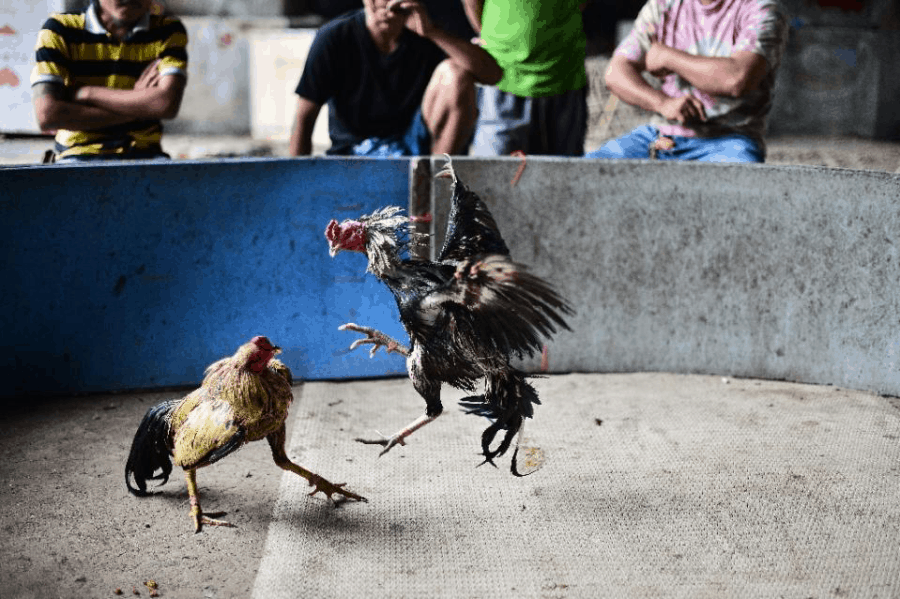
(369, 94)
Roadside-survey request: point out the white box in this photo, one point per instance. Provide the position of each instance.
(277, 59)
(20, 22)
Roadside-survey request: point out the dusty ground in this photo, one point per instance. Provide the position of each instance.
(71, 530)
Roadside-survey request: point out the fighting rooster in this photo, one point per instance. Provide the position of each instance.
(467, 314)
(243, 398)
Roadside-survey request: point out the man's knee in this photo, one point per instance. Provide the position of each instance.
(451, 85)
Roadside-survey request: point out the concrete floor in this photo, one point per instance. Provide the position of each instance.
(654, 485)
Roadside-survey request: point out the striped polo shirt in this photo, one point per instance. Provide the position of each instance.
(77, 49)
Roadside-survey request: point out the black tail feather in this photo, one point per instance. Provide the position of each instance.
(151, 449)
(507, 401)
(511, 425)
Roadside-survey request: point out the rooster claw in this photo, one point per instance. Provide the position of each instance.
(329, 488)
(374, 338)
(387, 442)
(210, 519)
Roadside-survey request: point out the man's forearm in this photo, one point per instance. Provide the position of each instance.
(624, 79)
(474, 9)
(300, 143)
(161, 102)
(53, 113)
(718, 76)
(473, 58)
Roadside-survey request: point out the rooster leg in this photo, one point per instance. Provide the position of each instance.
(196, 511)
(276, 443)
(399, 437)
(431, 391)
(376, 339)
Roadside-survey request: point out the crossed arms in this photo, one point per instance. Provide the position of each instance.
(732, 76)
(94, 107)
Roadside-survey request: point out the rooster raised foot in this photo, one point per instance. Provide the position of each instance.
(376, 339)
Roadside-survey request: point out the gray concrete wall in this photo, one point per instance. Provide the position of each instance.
(745, 270)
(838, 81)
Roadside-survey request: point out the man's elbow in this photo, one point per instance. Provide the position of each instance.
(742, 81)
(493, 78)
(613, 80)
(170, 110)
(618, 72)
(167, 104)
(489, 72)
(163, 107)
(47, 115)
(736, 86)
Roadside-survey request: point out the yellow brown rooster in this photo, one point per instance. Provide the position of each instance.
(243, 398)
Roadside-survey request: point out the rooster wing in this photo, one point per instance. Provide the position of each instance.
(471, 229)
(495, 301)
(208, 433)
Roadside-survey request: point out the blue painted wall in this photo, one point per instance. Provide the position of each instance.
(140, 275)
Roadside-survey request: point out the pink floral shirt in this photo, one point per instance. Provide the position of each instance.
(718, 29)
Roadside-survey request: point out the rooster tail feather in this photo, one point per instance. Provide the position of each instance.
(151, 449)
(507, 401)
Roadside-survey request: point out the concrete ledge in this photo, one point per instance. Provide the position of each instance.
(139, 275)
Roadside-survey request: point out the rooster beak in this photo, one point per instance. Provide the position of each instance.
(276, 350)
(333, 250)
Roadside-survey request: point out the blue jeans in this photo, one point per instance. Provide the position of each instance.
(636, 144)
(415, 141)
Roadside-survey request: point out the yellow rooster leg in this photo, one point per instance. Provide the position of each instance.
(197, 515)
(276, 442)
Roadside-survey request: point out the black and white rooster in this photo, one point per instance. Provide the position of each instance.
(467, 314)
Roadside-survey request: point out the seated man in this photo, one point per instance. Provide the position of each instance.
(106, 77)
(717, 60)
(396, 84)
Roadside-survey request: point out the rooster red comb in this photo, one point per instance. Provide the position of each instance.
(349, 235)
(264, 343)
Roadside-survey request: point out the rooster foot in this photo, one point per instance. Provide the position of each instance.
(329, 489)
(387, 442)
(211, 519)
(374, 338)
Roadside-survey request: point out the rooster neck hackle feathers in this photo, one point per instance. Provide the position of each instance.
(387, 237)
(251, 394)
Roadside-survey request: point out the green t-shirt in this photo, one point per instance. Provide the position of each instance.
(540, 45)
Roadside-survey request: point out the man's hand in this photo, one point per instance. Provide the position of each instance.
(417, 19)
(150, 77)
(684, 109)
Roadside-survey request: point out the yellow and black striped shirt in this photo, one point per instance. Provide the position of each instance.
(75, 49)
